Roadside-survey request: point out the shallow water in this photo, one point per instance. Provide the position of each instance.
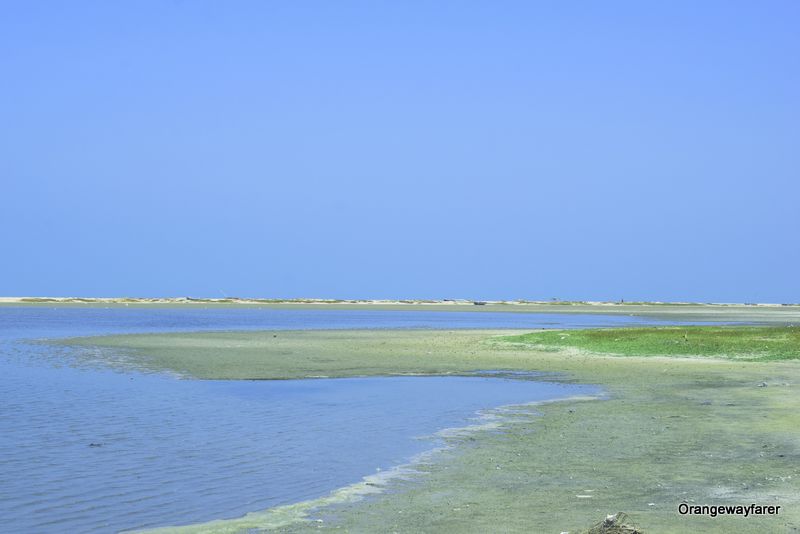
(94, 450)
(32, 322)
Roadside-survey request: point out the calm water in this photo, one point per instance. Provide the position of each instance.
(93, 450)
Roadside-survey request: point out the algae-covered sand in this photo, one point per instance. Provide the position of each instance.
(701, 430)
(751, 343)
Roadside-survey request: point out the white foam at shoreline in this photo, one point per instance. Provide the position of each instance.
(492, 419)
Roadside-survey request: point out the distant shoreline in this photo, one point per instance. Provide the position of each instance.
(375, 302)
(668, 311)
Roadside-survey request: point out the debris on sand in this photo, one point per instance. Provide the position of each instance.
(615, 524)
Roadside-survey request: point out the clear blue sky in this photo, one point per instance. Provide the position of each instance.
(579, 150)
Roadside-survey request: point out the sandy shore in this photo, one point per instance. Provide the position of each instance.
(673, 430)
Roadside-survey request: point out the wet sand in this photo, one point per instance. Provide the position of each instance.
(704, 431)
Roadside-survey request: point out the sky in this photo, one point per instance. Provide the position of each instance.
(487, 150)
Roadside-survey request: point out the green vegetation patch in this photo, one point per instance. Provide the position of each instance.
(756, 343)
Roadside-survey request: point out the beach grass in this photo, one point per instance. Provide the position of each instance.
(701, 430)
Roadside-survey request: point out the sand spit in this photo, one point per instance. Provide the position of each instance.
(671, 311)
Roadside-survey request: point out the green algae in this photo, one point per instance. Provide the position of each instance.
(739, 342)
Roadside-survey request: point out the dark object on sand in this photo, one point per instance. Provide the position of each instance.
(615, 524)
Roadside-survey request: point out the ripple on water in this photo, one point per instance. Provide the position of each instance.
(94, 451)
(91, 450)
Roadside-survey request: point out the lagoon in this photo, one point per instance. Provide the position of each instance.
(94, 448)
